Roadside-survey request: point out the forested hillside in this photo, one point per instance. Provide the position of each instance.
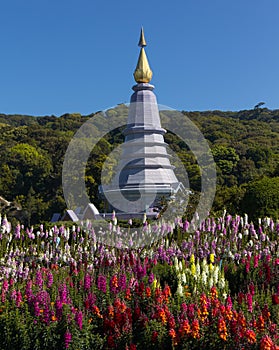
(245, 146)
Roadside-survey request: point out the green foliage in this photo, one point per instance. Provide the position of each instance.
(262, 198)
(166, 275)
(244, 145)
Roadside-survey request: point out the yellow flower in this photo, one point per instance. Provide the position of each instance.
(193, 269)
(192, 259)
(211, 258)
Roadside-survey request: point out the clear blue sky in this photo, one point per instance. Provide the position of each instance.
(60, 56)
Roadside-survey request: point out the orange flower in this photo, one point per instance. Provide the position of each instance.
(185, 327)
(214, 292)
(241, 320)
(251, 336)
(162, 316)
(228, 313)
(53, 318)
(187, 294)
(266, 313)
(148, 292)
(195, 329)
(96, 311)
(260, 324)
(167, 291)
(128, 295)
(122, 307)
(110, 311)
(222, 329)
(172, 333)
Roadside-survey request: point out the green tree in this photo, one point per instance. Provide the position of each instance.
(262, 198)
(29, 166)
(226, 158)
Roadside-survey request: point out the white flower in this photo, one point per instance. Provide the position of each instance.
(179, 290)
(204, 278)
(180, 266)
(198, 269)
(222, 283)
(250, 243)
(215, 274)
(167, 243)
(206, 269)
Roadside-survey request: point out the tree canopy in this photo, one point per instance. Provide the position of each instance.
(244, 145)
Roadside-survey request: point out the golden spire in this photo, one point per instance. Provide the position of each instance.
(142, 41)
(142, 73)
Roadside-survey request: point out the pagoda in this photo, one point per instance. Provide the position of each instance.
(145, 178)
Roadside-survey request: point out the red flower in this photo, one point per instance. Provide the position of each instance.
(266, 343)
(154, 336)
(275, 299)
(111, 343)
(137, 312)
(171, 322)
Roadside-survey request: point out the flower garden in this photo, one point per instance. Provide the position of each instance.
(209, 286)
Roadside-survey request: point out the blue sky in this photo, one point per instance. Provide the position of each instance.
(66, 56)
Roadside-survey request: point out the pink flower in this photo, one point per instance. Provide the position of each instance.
(78, 319)
(250, 302)
(67, 338)
(256, 261)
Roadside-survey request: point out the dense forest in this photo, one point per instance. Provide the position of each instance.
(245, 146)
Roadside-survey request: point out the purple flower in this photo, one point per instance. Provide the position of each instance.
(151, 278)
(63, 292)
(78, 319)
(39, 279)
(58, 308)
(186, 225)
(28, 290)
(17, 231)
(102, 283)
(122, 282)
(36, 309)
(49, 279)
(87, 281)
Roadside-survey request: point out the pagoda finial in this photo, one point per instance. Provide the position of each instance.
(142, 73)
(142, 42)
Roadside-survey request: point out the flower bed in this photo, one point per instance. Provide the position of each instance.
(214, 286)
